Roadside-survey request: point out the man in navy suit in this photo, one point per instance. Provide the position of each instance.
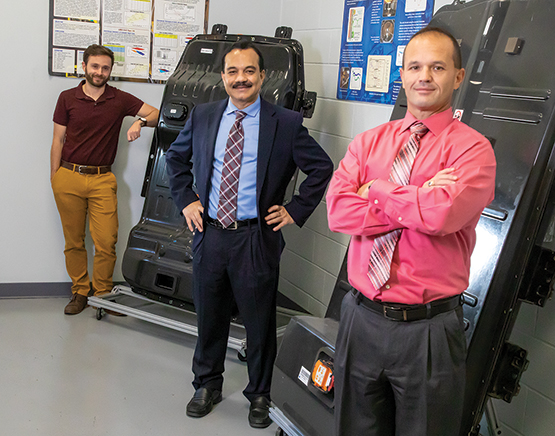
(241, 260)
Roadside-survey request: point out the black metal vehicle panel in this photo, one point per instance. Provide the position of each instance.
(158, 259)
(306, 340)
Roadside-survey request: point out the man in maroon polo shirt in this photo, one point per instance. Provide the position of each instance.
(87, 122)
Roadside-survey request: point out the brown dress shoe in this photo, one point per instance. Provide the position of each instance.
(76, 305)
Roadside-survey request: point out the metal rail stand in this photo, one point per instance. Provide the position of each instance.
(490, 425)
(489, 421)
(175, 318)
(285, 426)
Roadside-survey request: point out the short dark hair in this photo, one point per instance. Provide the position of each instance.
(457, 58)
(244, 45)
(97, 50)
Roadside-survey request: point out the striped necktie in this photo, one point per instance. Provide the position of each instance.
(379, 265)
(229, 186)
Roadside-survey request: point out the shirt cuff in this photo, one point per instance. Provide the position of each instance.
(378, 195)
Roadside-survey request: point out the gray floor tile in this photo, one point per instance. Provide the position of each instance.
(77, 376)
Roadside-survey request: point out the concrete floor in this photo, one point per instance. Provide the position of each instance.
(76, 376)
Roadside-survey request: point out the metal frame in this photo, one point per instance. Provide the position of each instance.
(285, 425)
(126, 294)
(287, 428)
(491, 423)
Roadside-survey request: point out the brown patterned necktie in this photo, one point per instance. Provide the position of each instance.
(379, 265)
(229, 186)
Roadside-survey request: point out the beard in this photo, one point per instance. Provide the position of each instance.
(97, 84)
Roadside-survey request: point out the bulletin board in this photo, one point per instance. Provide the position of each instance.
(146, 36)
(374, 36)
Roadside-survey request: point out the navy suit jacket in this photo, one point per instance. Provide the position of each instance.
(283, 145)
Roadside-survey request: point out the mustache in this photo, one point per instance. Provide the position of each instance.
(244, 83)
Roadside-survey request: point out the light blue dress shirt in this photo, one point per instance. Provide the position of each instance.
(246, 197)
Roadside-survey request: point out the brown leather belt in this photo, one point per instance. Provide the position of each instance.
(409, 312)
(233, 226)
(86, 169)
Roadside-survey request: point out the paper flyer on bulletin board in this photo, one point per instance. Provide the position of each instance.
(375, 33)
(146, 36)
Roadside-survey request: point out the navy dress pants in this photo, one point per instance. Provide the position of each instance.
(227, 264)
(398, 378)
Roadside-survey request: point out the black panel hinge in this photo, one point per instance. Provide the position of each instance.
(219, 29)
(509, 368)
(308, 104)
(538, 281)
(284, 32)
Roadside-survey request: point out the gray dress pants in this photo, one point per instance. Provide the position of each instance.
(398, 378)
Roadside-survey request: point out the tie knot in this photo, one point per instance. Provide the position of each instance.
(419, 129)
(239, 115)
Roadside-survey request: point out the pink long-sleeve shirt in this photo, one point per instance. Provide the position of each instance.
(432, 257)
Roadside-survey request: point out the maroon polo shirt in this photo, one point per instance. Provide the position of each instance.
(92, 127)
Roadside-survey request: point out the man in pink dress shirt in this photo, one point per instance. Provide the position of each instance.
(401, 349)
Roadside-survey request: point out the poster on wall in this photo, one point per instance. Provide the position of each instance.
(126, 31)
(175, 24)
(146, 36)
(375, 33)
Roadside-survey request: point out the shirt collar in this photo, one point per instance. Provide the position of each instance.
(436, 123)
(109, 92)
(251, 110)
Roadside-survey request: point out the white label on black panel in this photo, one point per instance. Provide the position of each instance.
(304, 375)
(207, 50)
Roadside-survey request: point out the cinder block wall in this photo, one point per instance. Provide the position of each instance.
(532, 412)
(313, 254)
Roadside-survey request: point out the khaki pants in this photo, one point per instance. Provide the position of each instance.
(76, 194)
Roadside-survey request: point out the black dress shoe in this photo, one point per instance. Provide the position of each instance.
(259, 413)
(202, 402)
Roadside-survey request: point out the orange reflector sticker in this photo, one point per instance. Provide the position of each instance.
(322, 375)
